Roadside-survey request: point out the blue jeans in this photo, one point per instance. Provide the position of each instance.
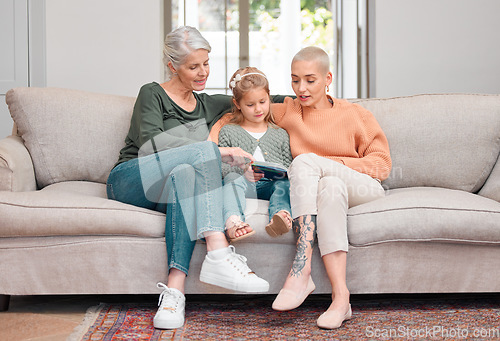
(237, 188)
(185, 184)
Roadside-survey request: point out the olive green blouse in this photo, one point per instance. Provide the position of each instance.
(157, 116)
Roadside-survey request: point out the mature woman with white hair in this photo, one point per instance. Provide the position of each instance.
(169, 166)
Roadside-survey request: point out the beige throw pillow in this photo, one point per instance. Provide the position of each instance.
(70, 134)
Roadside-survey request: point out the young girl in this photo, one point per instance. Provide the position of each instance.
(252, 129)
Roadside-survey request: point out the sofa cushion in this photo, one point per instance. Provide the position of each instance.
(16, 168)
(74, 208)
(81, 208)
(70, 134)
(449, 141)
(426, 214)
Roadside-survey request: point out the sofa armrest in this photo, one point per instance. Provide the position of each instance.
(491, 188)
(16, 168)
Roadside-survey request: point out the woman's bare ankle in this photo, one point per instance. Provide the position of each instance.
(176, 279)
(215, 240)
(340, 300)
(297, 281)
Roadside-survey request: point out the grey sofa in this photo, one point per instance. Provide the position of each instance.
(436, 231)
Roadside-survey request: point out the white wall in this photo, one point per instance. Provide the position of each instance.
(111, 46)
(433, 46)
(13, 54)
(5, 119)
(425, 46)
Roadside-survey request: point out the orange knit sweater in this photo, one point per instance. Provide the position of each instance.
(346, 133)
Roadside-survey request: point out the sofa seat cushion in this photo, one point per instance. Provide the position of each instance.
(426, 214)
(74, 208)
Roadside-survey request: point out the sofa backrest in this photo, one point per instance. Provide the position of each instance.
(450, 141)
(70, 134)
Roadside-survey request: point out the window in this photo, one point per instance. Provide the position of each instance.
(267, 33)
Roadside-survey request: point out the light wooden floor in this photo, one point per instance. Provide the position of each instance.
(52, 318)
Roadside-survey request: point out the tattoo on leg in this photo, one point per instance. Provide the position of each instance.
(310, 222)
(304, 228)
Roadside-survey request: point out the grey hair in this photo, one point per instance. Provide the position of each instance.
(179, 44)
(313, 53)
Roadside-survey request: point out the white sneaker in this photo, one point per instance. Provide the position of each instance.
(232, 273)
(170, 314)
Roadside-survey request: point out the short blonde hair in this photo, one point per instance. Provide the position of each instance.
(313, 53)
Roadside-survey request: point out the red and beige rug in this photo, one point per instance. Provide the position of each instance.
(251, 318)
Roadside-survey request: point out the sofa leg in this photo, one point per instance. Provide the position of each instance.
(4, 302)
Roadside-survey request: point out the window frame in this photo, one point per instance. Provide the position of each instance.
(350, 60)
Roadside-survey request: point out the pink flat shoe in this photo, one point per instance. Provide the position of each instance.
(288, 299)
(332, 319)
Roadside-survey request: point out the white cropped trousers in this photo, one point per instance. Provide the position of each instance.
(327, 188)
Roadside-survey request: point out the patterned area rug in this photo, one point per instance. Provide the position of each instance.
(251, 318)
